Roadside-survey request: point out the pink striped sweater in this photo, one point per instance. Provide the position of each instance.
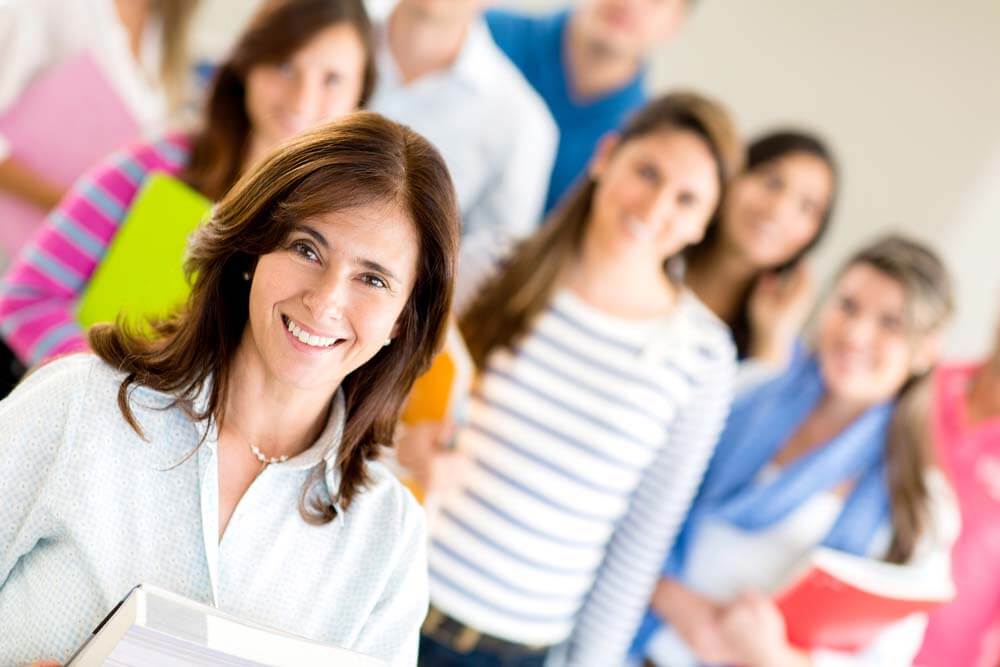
(38, 296)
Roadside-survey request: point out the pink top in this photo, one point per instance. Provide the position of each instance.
(967, 631)
(38, 296)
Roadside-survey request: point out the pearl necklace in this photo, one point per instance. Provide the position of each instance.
(264, 458)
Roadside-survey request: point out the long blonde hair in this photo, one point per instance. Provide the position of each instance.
(175, 17)
(508, 303)
(909, 451)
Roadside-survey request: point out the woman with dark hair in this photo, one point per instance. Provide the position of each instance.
(603, 386)
(749, 270)
(298, 63)
(228, 457)
(833, 453)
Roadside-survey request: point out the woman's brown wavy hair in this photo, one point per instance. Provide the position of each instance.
(274, 34)
(361, 160)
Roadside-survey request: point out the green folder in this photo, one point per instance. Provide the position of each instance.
(142, 273)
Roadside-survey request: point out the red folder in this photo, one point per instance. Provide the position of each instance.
(839, 601)
(66, 120)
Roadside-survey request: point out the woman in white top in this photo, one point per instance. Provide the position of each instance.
(603, 386)
(139, 45)
(228, 457)
(831, 453)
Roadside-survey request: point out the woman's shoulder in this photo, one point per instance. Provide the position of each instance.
(58, 397)
(69, 374)
(82, 377)
(385, 498)
(169, 152)
(693, 327)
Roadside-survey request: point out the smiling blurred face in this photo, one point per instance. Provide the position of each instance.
(866, 351)
(321, 81)
(773, 211)
(325, 303)
(654, 196)
(629, 28)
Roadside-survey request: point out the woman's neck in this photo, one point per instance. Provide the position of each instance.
(421, 44)
(830, 417)
(133, 15)
(257, 148)
(619, 287)
(594, 71)
(278, 419)
(722, 280)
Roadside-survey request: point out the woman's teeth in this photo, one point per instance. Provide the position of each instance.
(309, 339)
(638, 228)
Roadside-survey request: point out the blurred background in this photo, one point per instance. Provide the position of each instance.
(906, 91)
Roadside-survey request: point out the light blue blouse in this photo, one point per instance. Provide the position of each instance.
(90, 509)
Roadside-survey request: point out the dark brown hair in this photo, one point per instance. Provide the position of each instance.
(761, 152)
(909, 452)
(507, 304)
(361, 160)
(276, 32)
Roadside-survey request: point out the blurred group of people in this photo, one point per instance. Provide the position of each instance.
(665, 422)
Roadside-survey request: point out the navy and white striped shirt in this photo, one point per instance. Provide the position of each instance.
(586, 444)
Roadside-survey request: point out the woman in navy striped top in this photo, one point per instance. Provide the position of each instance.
(603, 386)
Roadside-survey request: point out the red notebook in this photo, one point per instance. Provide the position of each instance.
(839, 601)
(65, 120)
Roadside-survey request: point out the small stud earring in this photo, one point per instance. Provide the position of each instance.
(387, 341)
(246, 276)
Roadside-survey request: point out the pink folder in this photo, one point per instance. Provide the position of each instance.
(66, 120)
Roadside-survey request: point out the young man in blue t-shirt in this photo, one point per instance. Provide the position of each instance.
(587, 63)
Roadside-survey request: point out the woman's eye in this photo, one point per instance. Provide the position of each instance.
(374, 281)
(686, 199)
(891, 323)
(304, 250)
(648, 173)
(848, 305)
(773, 182)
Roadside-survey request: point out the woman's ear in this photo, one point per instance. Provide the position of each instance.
(602, 155)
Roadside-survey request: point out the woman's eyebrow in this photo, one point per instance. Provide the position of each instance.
(369, 264)
(375, 266)
(313, 233)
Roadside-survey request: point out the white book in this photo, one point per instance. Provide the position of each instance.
(152, 627)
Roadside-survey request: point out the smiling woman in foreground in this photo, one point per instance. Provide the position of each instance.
(228, 458)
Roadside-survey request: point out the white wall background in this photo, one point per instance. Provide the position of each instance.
(906, 91)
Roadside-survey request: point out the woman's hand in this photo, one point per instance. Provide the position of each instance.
(752, 625)
(28, 185)
(778, 308)
(423, 450)
(45, 663)
(696, 620)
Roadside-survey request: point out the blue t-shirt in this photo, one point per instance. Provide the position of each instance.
(535, 45)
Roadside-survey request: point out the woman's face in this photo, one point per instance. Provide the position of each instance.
(866, 351)
(654, 195)
(320, 82)
(326, 301)
(774, 210)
